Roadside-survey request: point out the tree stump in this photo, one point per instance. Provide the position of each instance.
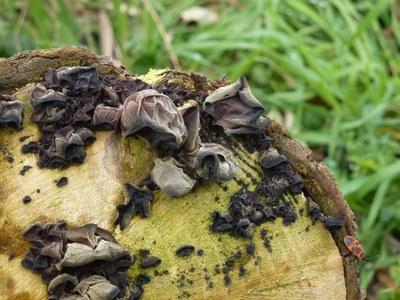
(306, 262)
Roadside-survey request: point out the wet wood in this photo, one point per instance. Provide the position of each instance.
(305, 262)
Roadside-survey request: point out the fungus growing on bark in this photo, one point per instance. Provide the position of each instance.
(41, 97)
(84, 262)
(138, 203)
(154, 117)
(168, 174)
(234, 108)
(215, 162)
(67, 148)
(86, 135)
(191, 116)
(79, 80)
(106, 117)
(11, 112)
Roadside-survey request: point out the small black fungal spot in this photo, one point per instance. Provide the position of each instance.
(242, 271)
(62, 181)
(225, 270)
(24, 170)
(333, 224)
(229, 262)
(301, 211)
(200, 252)
(143, 278)
(211, 285)
(144, 252)
(192, 269)
(207, 278)
(267, 245)
(250, 248)
(150, 261)
(38, 191)
(26, 199)
(11, 256)
(24, 138)
(307, 228)
(185, 250)
(263, 233)
(165, 272)
(227, 280)
(225, 188)
(216, 198)
(10, 159)
(238, 254)
(217, 270)
(190, 281)
(289, 218)
(156, 273)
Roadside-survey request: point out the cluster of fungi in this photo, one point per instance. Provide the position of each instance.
(191, 134)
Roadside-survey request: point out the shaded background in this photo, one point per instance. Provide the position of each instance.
(327, 70)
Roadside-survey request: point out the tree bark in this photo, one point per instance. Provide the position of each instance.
(305, 262)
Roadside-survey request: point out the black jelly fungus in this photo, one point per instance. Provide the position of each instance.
(150, 261)
(26, 199)
(242, 270)
(200, 252)
(250, 248)
(62, 181)
(24, 170)
(143, 278)
(227, 280)
(185, 250)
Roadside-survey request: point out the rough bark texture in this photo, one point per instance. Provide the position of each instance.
(304, 264)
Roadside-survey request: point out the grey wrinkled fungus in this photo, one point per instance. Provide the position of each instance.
(168, 174)
(11, 112)
(235, 108)
(78, 99)
(154, 117)
(79, 263)
(106, 117)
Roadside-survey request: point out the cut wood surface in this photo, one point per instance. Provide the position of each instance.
(305, 262)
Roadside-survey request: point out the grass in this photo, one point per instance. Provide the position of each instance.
(332, 65)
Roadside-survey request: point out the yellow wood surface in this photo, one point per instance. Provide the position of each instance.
(303, 264)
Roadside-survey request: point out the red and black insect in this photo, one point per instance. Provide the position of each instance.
(354, 246)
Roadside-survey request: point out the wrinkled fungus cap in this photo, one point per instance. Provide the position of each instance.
(79, 80)
(106, 117)
(41, 96)
(11, 112)
(216, 162)
(271, 159)
(191, 116)
(235, 108)
(154, 117)
(170, 177)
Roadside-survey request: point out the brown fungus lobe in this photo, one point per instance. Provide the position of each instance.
(215, 162)
(106, 117)
(80, 263)
(11, 112)
(168, 174)
(236, 109)
(154, 117)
